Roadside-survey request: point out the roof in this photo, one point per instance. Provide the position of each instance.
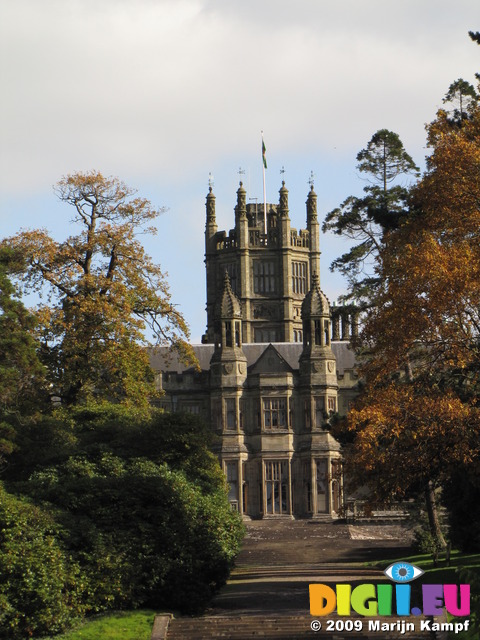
(165, 359)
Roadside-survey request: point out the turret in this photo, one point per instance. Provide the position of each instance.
(315, 319)
(314, 232)
(211, 225)
(228, 363)
(241, 221)
(317, 361)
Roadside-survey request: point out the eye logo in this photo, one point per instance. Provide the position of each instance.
(403, 572)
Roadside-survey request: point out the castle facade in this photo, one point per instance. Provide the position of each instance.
(275, 363)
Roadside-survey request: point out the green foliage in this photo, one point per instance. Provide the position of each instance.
(103, 291)
(40, 587)
(385, 158)
(20, 369)
(366, 219)
(461, 95)
(143, 533)
(140, 502)
(21, 374)
(425, 542)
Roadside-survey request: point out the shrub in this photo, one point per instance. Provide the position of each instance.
(40, 587)
(144, 534)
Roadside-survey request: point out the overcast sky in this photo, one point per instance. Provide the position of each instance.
(162, 92)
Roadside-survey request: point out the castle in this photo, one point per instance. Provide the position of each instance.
(275, 363)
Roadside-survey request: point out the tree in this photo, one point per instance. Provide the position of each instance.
(20, 369)
(475, 36)
(422, 430)
(103, 292)
(409, 439)
(461, 94)
(21, 373)
(369, 218)
(427, 304)
(139, 499)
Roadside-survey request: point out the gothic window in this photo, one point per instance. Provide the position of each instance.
(327, 332)
(299, 277)
(216, 407)
(191, 407)
(231, 269)
(297, 335)
(263, 277)
(228, 334)
(265, 335)
(319, 409)
(238, 341)
(332, 404)
(230, 414)
(318, 332)
(336, 485)
(306, 411)
(276, 486)
(231, 471)
(275, 413)
(321, 486)
(308, 485)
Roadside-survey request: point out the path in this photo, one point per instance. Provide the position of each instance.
(267, 594)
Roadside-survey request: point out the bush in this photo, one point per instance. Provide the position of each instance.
(40, 588)
(143, 534)
(140, 505)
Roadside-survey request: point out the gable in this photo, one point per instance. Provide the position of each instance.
(270, 362)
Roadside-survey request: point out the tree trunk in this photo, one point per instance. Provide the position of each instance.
(432, 513)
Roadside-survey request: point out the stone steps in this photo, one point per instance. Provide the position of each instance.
(280, 627)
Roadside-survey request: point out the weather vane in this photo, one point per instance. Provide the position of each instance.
(282, 171)
(311, 182)
(210, 181)
(241, 172)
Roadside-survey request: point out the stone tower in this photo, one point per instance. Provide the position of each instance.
(270, 269)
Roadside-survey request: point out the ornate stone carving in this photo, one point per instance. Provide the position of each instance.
(265, 311)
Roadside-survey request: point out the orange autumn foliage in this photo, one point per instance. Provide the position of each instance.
(102, 292)
(428, 306)
(407, 435)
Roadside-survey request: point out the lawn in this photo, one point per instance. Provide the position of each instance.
(122, 625)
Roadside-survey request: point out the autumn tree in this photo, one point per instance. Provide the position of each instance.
(367, 219)
(430, 268)
(408, 439)
(414, 432)
(103, 291)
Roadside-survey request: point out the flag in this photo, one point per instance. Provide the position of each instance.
(264, 157)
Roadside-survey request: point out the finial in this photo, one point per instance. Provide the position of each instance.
(315, 280)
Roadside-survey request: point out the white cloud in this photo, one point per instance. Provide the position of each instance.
(160, 92)
(152, 86)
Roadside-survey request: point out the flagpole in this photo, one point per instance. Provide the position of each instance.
(264, 166)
